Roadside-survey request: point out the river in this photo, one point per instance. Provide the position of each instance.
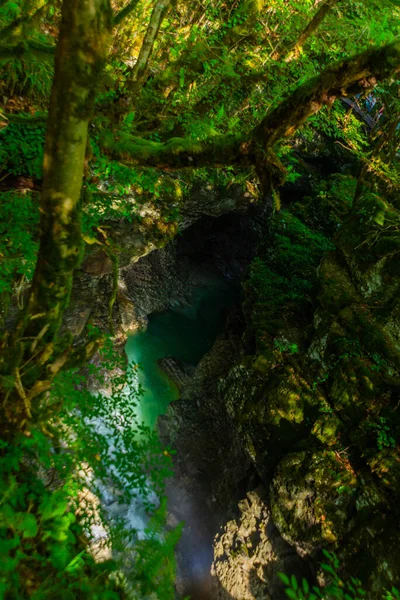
(185, 332)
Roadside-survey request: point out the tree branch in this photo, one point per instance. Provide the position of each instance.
(346, 77)
(124, 12)
(26, 49)
(286, 53)
(178, 153)
(312, 26)
(26, 19)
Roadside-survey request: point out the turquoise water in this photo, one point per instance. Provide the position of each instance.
(186, 333)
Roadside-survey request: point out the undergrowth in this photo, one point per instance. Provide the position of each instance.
(54, 485)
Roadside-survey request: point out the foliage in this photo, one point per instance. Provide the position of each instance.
(340, 125)
(328, 207)
(337, 588)
(32, 78)
(21, 149)
(215, 68)
(283, 278)
(384, 433)
(19, 218)
(94, 442)
(41, 555)
(154, 566)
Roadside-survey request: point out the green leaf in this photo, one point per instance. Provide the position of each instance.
(29, 526)
(290, 593)
(76, 563)
(284, 578)
(53, 506)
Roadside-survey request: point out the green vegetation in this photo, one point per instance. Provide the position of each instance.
(46, 516)
(111, 114)
(22, 147)
(282, 283)
(337, 588)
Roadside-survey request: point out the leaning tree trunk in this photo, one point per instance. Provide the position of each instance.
(140, 68)
(310, 29)
(81, 52)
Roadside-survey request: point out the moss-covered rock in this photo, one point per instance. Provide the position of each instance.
(312, 493)
(322, 420)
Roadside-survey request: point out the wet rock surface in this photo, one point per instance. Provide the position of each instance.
(153, 270)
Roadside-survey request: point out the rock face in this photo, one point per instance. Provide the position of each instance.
(153, 268)
(201, 431)
(249, 554)
(179, 373)
(303, 396)
(298, 397)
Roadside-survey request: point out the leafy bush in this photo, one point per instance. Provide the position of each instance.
(331, 202)
(47, 524)
(283, 278)
(19, 219)
(31, 77)
(22, 149)
(337, 587)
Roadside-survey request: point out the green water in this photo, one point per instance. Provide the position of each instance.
(186, 333)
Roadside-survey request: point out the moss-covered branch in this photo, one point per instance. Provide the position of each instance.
(179, 153)
(16, 27)
(346, 77)
(27, 49)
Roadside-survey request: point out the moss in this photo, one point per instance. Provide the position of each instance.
(283, 277)
(336, 288)
(327, 428)
(326, 432)
(386, 465)
(310, 496)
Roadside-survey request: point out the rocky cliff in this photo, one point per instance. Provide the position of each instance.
(149, 281)
(301, 395)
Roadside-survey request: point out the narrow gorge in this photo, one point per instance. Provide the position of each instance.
(256, 371)
(199, 299)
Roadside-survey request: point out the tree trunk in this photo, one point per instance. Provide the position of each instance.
(140, 68)
(310, 29)
(81, 51)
